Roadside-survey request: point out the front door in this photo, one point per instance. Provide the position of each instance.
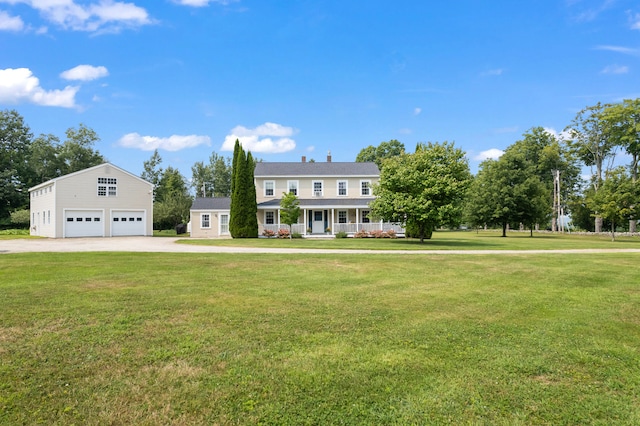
(317, 225)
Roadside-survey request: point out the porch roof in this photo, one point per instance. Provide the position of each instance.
(353, 203)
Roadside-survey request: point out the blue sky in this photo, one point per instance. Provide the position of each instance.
(294, 78)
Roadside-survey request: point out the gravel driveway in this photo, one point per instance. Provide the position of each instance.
(168, 245)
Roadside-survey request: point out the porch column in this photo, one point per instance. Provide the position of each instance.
(357, 219)
(333, 221)
(305, 222)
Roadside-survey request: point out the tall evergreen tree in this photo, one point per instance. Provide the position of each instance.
(251, 213)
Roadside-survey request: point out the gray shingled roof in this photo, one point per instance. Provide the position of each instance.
(211, 203)
(267, 169)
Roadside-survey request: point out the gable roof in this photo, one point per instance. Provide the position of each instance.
(211, 203)
(290, 169)
(103, 165)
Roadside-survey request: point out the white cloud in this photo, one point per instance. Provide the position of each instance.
(269, 138)
(85, 73)
(492, 153)
(620, 49)
(101, 16)
(417, 111)
(564, 135)
(10, 23)
(172, 143)
(202, 3)
(20, 85)
(615, 69)
(494, 72)
(635, 21)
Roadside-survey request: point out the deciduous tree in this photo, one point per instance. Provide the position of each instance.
(289, 210)
(390, 149)
(423, 190)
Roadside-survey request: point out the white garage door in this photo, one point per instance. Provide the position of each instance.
(83, 223)
(125, 223)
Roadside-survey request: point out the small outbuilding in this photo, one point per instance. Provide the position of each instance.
(210, 217)
(101, 201)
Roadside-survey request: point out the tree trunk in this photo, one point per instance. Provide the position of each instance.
(613, 231)
(504, 229)
(632, 226)
(531, 233)
(598, 224)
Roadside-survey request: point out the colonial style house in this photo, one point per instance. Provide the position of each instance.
(101, 201)
(333, 196)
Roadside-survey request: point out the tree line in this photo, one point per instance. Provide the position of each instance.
(536, 181)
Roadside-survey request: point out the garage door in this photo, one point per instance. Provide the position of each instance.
(126, 223)
(83, 223)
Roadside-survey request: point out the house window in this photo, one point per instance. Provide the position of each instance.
(342, 187)
(317, 188)
(342, 216)
(293, 187)
(269, 218)
(365, 216)
(48, 217)
(224, 224)
(365, 187)
(205, 220)
(107, 187)
(269, 188)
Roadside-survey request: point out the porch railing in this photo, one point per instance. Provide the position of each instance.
(349, 228)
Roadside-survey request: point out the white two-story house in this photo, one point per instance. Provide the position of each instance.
(333, 196)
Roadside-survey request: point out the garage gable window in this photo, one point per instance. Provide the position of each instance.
(107, 187)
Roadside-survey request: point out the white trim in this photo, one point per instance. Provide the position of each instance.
(228, 215)
(201, 220)
(369, 186)
(297, 182)
(346, 188)
(144, 219)
(273, 189)
(315, 193)
(64, 219)
(53, 181)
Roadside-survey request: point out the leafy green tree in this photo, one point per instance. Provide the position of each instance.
(77, 152)
(214, 178)
(289, 210)
(378, 154)
(507, 191)
(423, 190)
(44, 160)
(547, 155)
(152, 172)
(21, 218)
(622, 124)
(172, 210)
(15, 176)
(590, 142)
(171, 182)
(617, 198)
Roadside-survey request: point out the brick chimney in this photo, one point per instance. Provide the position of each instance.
(304, 158)
(329, 157)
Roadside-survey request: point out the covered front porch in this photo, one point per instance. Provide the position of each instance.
(325, 217)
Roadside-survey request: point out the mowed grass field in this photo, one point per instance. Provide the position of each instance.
(442, 240)
(122, 338)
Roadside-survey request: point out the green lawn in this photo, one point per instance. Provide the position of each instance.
(443, 240)
(121, 338)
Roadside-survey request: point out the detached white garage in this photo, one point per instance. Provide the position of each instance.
(101, 201)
